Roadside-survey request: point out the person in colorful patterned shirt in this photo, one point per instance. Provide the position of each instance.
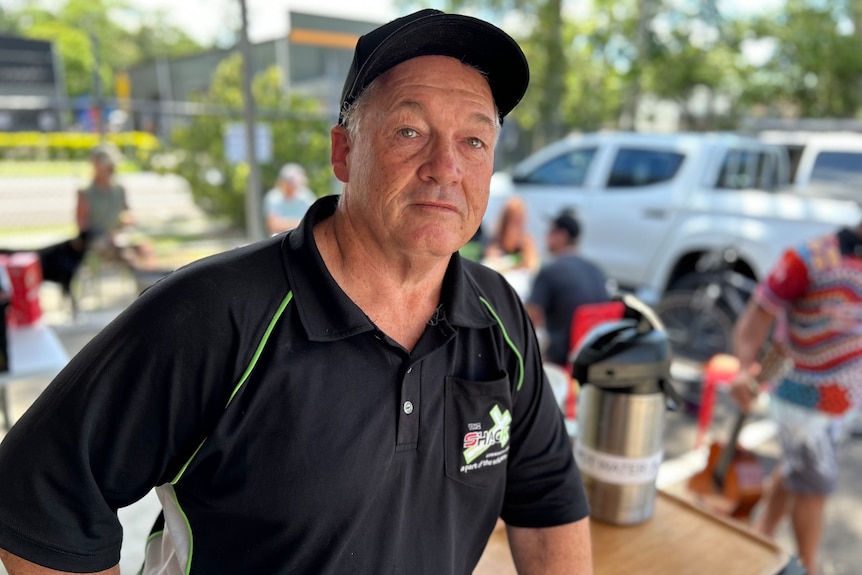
(812, 302)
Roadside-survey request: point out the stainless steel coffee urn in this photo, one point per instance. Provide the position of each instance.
(623, 368)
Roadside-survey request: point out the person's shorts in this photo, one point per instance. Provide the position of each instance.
(809, 441)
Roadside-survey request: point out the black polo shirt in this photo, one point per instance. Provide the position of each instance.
(286, 433)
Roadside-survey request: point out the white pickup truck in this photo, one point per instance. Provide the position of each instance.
(652, 205)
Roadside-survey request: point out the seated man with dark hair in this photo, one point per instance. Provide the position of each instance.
(563, 284)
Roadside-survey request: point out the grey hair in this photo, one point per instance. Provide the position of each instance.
(353, 115)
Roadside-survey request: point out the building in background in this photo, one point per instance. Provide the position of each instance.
(314, 57)
(31, 84)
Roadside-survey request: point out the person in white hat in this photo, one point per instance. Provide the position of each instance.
(286, 203)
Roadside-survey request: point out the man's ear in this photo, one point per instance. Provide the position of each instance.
(340, 149)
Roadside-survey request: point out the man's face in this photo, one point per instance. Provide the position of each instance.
(557, 240)
(418, 171)
(287, 187)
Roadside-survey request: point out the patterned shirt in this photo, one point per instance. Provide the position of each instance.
(819, 287)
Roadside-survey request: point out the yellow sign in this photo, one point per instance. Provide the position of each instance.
(123, 88)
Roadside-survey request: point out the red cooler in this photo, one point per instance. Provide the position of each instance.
(25, 275)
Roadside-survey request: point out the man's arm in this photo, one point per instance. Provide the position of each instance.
(536, 313)
(749, 334)
(276, 224)
(562, 550)
(17, 566)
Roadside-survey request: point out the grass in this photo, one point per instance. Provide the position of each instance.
(40, 168)
(63, 230)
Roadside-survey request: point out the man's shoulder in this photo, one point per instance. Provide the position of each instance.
(568, 263)
(251, 271)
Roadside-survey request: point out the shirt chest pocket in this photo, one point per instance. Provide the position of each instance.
(478, 419)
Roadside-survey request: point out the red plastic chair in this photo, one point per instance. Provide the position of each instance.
(719, 370)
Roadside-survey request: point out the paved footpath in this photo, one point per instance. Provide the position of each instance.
(50, 201)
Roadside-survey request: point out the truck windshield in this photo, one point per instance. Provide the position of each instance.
(568, 169)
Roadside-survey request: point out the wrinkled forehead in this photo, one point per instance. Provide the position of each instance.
(433, 75)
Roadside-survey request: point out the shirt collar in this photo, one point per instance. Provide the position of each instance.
(327, 314)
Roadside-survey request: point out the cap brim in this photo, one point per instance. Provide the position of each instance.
(473, 41)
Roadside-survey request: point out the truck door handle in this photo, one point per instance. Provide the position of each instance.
(655, 213)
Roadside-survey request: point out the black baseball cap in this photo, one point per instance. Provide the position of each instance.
(435, 33)
(567, 222)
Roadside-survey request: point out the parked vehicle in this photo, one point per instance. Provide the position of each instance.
(651, 205)
(822, 162)
(699, 312)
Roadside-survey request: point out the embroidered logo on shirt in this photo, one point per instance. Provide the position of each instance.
(478, 442)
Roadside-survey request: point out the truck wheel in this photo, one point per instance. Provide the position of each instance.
(734, 288)
(692, 280)
(695, 331)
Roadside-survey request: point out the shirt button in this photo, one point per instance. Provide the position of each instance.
(408, 407)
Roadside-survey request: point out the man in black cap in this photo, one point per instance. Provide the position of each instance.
(562, 286)
(348, 397)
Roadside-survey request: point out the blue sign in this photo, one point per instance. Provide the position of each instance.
(235, 146)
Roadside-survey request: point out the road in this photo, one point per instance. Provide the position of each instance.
(44, 202)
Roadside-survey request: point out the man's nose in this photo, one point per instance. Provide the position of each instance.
(443, 164)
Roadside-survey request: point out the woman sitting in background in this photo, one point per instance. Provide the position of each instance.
(512, 247)
(103, 213)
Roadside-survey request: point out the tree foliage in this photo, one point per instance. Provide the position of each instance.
(592, 67)
(87, 34)
(592, 64)
(75, 49)
(300, 134)
(543, 42)
(157, 38)
(816, 67)
(8, 22)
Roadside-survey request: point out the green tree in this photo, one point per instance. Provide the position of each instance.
(87, 34)
(87, 37)
(543, 41)
(551, 74)
(591, 70)
(696, 62)
(8, 22)
(816, 66)
(76, 51)
(300, 134)
(157, 38)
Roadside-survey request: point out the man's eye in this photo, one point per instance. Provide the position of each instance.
(408, 133)
(475, 143)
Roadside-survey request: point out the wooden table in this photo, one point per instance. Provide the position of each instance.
(679, 538)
